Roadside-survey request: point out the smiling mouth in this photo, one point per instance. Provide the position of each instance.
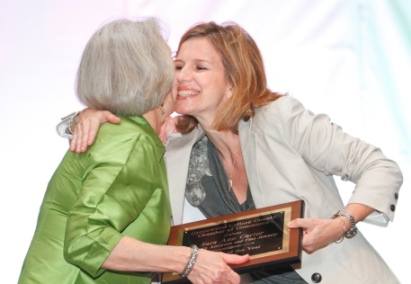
(187, 93)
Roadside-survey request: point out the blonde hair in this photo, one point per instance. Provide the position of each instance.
(244, 70)
(126, 68)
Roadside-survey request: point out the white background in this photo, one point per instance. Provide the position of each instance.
(347, 58)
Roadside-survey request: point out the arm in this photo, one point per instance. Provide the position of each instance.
(63, 127)
(113, 195)
(210, 267)
(325, 147)
(82, 127)
(87, 126)
(320, 233)
(111, 199)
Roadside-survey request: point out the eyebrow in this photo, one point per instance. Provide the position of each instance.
(195, 60)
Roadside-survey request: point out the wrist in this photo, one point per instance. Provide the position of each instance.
(73, 121)
(352, 228)
(341, 222)
(191, 261)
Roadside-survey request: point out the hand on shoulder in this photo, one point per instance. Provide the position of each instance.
(87, 126)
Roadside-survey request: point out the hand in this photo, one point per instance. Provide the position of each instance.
(169, 125)
(318, 233)
(87, 126)
(213, 267)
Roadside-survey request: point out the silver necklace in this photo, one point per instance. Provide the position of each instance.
(230, 178)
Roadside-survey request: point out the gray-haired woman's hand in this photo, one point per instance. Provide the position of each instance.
(213, 267)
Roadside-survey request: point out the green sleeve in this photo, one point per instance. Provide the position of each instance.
(117, 184)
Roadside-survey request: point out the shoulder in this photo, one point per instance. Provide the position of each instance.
(129, 137)
(178, 141)
(291, 112)
(278, 113)
(284, 106)
(129, 129)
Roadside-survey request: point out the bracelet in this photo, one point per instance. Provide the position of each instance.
(344, 229)
(352, 231)
(73, 120)
(191, 261)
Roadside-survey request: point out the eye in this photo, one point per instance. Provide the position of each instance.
(178, 65)
(201, 68)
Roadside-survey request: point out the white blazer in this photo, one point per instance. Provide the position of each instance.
(292, 154)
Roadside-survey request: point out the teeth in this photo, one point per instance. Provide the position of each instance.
(187, 93)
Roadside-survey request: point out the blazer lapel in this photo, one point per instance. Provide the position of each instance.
(249, 140)
(177, 157)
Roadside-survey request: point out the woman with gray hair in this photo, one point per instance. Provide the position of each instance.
(106, 212)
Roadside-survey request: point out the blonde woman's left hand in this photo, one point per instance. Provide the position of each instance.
(318, 233)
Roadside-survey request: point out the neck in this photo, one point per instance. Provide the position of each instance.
(229, 148)
(226, 142)
(155, 119)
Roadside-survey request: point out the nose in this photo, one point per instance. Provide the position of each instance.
(183, 74)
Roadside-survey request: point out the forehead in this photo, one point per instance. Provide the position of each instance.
(200, 48)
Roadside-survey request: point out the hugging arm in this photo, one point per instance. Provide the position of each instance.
(81, 127)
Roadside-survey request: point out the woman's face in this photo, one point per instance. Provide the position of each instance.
(200, 82)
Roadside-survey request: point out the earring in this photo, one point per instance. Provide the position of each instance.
(162, 110)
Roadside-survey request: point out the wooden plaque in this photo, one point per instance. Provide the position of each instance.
(262, 233)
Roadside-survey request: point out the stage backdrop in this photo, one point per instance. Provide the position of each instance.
(347, 58)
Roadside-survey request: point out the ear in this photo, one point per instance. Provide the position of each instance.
(230, 91)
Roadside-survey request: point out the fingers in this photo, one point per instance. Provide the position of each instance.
(297, 223)
(76, 141)
(85, 135)
(109, 117)
(235, 259)
(318, 233)
(75, 144)
(211, 267)
(232, 276)
(86, 129)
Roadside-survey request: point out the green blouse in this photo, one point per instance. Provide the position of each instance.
(117, 188)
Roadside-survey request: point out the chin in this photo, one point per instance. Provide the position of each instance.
(183, 110)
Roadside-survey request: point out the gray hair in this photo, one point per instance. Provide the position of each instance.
(126, 68)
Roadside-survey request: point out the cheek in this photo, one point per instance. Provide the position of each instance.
(217, 84)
